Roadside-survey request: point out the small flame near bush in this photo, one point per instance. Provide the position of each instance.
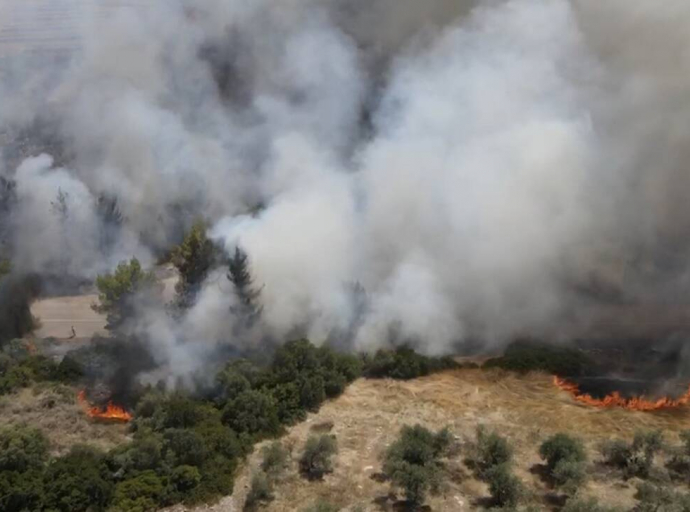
(111, 412)
(615, 399)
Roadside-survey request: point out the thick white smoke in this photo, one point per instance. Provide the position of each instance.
(463, 165)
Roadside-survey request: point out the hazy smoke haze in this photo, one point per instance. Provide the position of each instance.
(470, 165)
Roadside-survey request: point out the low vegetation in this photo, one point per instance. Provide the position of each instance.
(20, 368)
(413, 462)
(634, 459)
(565, 461)
(529, 356)
(404, 363)
(317, 457)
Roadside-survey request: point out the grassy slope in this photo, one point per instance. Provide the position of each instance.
(525, 409)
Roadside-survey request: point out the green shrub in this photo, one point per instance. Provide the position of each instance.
(404, 363)
(561, 447)
(505, 488)
(22, 448)
(317, 457)
(184, 447)
(569, 475)
(143, 493)
(412, 462)
(565, 460)
(78, 482)
(20, 492)
(528, 356)
(275, 459)
(636, 458)
(585, 505)
(253, 412)
(185, 478)
(490, 450)
(658, 498)
(260, 492)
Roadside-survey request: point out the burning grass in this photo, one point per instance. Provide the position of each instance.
(616, 399)
(110, 412)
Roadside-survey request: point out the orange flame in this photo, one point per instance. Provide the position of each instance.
(616, 400)
(112, 412)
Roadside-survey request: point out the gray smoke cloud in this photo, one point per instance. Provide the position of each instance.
(469, 167)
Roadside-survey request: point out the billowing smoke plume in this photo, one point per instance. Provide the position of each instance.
(398, 171)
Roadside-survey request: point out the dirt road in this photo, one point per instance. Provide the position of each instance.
(58, 315)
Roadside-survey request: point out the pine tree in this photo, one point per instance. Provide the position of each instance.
(111, 219)
(248, 308)
(194, 258)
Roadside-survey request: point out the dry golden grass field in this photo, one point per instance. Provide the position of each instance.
(526, 409)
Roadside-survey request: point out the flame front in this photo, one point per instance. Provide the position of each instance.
(616, 400)
(111, 412)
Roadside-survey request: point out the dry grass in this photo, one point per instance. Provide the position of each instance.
(54, 410)
(367, 418)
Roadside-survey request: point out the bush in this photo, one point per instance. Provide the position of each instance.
(565, 459)
(404, 363)
(253, 412)
(636, 458)
(77, 482)
(491, 450)
(412, 462)
(505, 488)
(562, 447)
(20, 492)
(585, 505)
(529, 356)
(142, 493)
(317, 457)
(275, 459)
(569, 475)
(22, 448)
(656, 498)
(260, 492)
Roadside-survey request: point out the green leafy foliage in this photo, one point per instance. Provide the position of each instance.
(22, 448)
(194, 259)
(565, 460)
(505, 488)
(413, 462)
(636, 458)
(404, 363)
(527, 356)
(117, 291)
(261, 491)
(489, 451)
(78, 482)
(275, 459)
(579, 504)
(317, 457)
(659, 498)
(21, 369)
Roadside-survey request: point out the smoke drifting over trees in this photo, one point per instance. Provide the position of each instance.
(469, 164)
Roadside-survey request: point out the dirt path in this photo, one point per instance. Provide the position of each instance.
(58, 315)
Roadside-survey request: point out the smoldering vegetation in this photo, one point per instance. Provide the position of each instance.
(438, 174)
